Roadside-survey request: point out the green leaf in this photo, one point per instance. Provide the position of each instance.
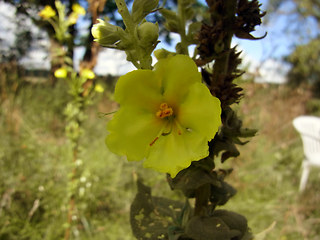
(151, 217)
(193, 29)
(187, 3)
(221, 194)
(172, 21)
(210, 228)
(169, 15)
(189, 13)
(221, 225)
(190, 179)
(233, 220)
(229, 135)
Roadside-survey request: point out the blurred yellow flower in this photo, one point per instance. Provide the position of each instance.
(78, 9)
(61, 73)
(47, 12)
(73, 18)
(87, 73)
(99, 88)
(166, 116)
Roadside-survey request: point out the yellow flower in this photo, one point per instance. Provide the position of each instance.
(73, 18)
(98, 88)
(78, 9)
(60, 73)
(87, 73)
(166, 116)
(47, 12)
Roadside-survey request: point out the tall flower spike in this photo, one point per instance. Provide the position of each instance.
(166, 116)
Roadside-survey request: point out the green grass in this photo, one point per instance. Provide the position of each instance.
(267, 173)
(36, 162)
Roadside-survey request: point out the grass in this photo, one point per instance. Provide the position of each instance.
(267, 173)
(36, 161)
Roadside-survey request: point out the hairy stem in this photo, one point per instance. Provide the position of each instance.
(72, 199)
(202, 196)
(220, 70)
(220, 67)
(183, 36)
(126, 16)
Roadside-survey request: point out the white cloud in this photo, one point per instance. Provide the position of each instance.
(273, 71)
(268, 71)
(111, 61)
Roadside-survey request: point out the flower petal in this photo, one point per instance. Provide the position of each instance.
(131, 131)
(200, 111)
(139, 88)
(177, 74)
(174, 152)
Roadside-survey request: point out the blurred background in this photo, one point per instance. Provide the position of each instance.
(282, 81)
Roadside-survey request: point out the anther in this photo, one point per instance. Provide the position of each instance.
(165, 111)
(163, 106)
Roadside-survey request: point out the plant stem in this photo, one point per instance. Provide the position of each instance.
(220, 67)
(140, 61)
(72, 198)
(181, 14)
(220, 70)
(126, 16)
(202, 196)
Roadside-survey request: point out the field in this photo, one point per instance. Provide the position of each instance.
(36, 163)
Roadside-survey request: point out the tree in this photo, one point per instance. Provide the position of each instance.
(305, 57)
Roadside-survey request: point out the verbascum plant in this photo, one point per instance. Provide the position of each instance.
(75, 109)
(179, 120)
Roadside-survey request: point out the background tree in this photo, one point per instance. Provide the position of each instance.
(305, 56)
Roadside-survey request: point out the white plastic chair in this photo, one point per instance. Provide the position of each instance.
(309, 129)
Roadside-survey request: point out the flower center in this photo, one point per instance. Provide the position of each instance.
(164, 111)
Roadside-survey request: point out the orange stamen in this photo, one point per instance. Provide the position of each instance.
(153, 141)
(164, 111)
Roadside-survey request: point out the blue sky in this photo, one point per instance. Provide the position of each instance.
(275, 45)
(284, 30)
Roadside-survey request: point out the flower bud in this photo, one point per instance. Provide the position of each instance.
(87, 73)
(60, 73)
(162, 53)
(148, 32)
(141, 8)
(105, 33)
(98, 88)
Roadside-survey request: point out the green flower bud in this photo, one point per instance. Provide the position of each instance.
(141, 8)
(148, 32)
(105, 33)
(162, 53)
(172, 21)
